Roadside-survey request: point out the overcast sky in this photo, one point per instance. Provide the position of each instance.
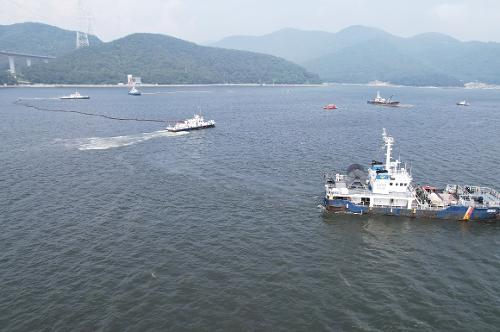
(211, 20)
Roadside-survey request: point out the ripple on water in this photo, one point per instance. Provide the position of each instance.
(221, 230)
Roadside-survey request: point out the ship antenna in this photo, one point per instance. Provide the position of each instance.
(388, 140)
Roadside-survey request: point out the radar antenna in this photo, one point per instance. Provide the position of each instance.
(389, 141)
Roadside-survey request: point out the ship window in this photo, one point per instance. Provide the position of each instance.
(400, 184)
(396, 184)
(391, 183)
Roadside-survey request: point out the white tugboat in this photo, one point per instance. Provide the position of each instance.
(463, 103)
(197, 122)
(134, 92)
(387, 189)
(75, 95)
(132, 82)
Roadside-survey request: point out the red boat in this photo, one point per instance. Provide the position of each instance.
(330, 107)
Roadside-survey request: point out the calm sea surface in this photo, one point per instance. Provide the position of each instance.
(120, 226)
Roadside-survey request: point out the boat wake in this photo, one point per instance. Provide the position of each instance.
(104, 143)
(40, 98)
(171, 92)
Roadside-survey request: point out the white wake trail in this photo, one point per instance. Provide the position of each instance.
(171, 92)
(104, 143)
(39, 98)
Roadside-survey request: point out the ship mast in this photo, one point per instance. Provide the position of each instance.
(388, 140)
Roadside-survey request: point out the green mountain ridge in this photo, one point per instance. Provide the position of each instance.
(166, 60)
(36, 39)
(387, 64)
(360, 54)
(39, 39)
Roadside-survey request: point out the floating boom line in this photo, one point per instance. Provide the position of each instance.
(109, 117)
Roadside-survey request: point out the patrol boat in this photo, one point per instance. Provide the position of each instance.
(75, 95)
(197, 122)
(378, 100)
(387, 189)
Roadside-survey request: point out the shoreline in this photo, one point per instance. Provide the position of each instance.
(153, 85)
(468, 86)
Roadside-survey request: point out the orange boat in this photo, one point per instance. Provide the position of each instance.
(330, 107)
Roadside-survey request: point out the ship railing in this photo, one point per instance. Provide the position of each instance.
(458, 189)
(390, 206)
(429, 207)
(490, 191)
(473, 203)
(399, 171)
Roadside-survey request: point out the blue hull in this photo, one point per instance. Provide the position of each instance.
(456, 212)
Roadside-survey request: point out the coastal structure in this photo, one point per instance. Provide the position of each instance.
(12, 56)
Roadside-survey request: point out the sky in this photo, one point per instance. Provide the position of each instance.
(205, 21)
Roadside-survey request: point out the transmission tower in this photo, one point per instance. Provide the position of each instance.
(82, 38)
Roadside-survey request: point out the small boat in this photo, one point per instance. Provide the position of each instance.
(75, 95)
(197, 122)
(134, 92)
(330, 107)
(378, 100)
(463, 103)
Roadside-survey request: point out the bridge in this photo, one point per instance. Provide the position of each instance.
(28, 57)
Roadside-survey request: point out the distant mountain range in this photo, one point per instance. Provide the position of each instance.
(156, 58)
(361, 54)
(354, 55)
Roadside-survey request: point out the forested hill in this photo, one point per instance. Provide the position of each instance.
(360, 54)
(166, 60)
(39, 38)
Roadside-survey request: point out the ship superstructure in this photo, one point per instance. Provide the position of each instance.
(387, 188)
